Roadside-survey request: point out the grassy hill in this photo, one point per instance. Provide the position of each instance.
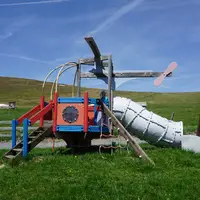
(27, 92)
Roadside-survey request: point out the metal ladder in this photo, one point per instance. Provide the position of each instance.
(33, 140)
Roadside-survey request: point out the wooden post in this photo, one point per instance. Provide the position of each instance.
(139, 151)
(110, 89)
(172, 116)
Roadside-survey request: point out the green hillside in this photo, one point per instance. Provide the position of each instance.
(27, 92)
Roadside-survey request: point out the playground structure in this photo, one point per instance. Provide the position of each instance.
(77, 120)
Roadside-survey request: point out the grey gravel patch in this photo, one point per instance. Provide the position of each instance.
(58, 143)
(43, 144)
(5, 145)
(191, 143)
(119, 140)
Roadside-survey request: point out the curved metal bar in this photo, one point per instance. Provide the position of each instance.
(44, 82)
(74, 83)
(59, 74)
(74, 64)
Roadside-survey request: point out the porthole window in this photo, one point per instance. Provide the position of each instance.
(70, 114)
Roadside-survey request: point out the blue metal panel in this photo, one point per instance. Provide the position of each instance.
(14, 124)
(70, 100)
(97, 129)
(25, 137)
(62, 128)
(76, 100)
(95, 114)
(79, 128)
(92, 101)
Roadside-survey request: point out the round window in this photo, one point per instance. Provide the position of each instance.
(70, 114)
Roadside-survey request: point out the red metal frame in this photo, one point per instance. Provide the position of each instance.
(85, 112)
(41, 107)
(30, 113)
(55, 111)
(40, 114)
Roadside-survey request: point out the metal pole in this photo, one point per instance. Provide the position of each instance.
(110, 72)
(14, 124)
(110, 97)
(25, 137)
(172, 116)
(79, 79)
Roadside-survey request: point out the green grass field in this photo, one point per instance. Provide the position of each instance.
(47, 175)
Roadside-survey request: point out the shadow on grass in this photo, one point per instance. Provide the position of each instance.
(61, 151)
(40, 154)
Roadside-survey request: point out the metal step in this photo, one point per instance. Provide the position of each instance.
(17, 149)
(40, 131)
(32, 137)
(10, 156)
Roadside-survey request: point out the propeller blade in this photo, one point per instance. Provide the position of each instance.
(169, 70)
(159, 80)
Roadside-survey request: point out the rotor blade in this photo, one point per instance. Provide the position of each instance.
(170, 68)
(159, 80)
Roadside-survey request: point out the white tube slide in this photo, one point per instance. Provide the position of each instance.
(146, 125)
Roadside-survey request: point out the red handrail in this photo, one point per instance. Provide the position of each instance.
(30, 113)
(40, 114)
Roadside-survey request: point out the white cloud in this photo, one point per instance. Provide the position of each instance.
(5, 36)
(32, 3)
(117, 15)
(163, 5)
(24, 58)
(14, 27)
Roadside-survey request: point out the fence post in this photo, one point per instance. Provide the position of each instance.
(25, 137)
(172, 116)
(14, 132)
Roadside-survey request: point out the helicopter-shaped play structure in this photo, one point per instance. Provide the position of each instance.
(77, 120)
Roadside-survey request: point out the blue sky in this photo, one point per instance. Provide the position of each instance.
(36, 36)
